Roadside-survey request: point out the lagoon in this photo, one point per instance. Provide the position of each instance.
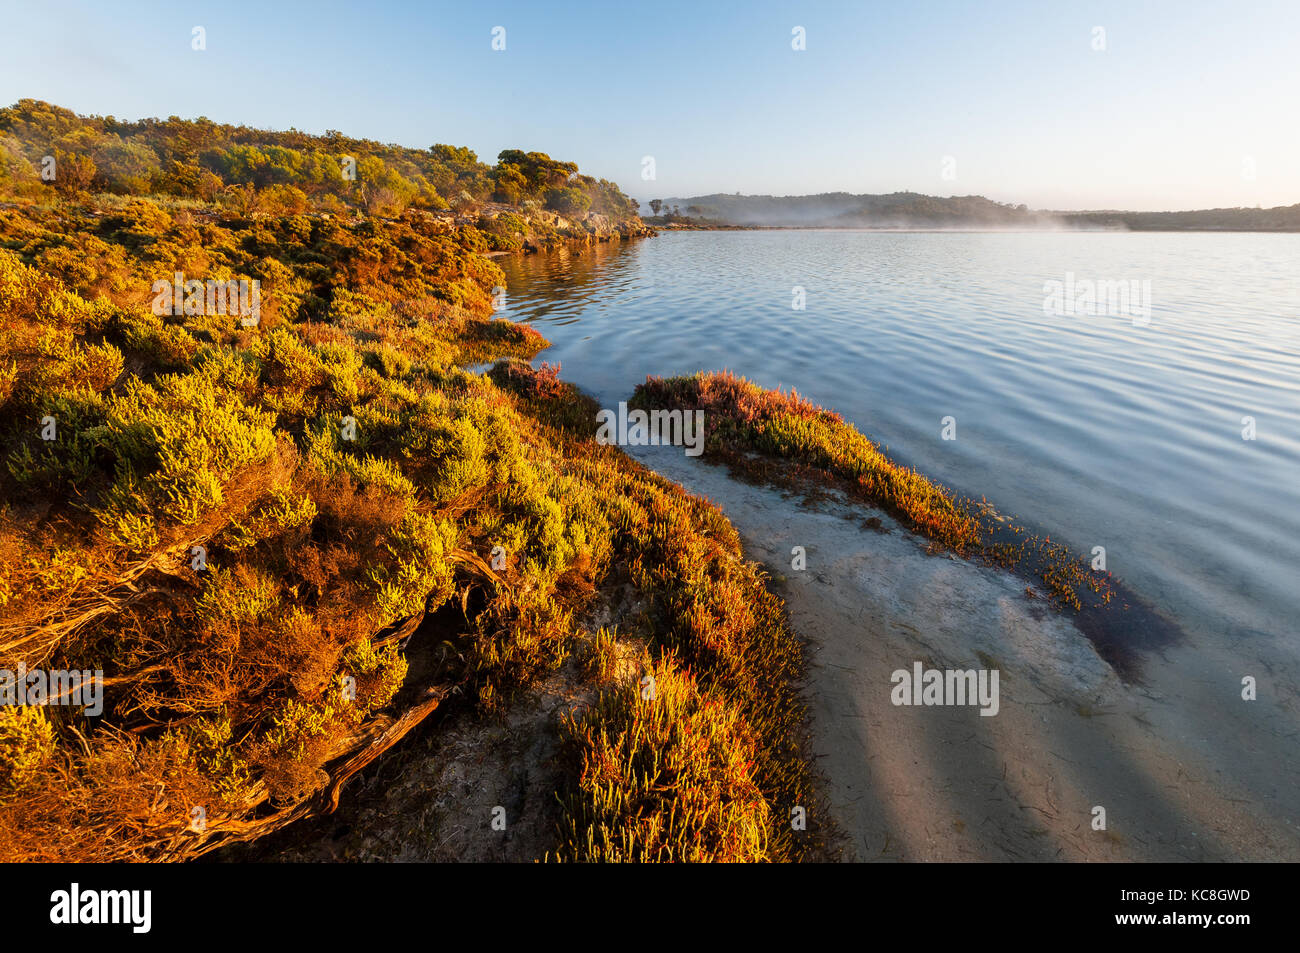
(1167, 434)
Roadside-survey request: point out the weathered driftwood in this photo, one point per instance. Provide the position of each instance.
(378, 738)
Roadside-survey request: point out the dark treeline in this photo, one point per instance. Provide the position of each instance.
(914, 210)
(845, 210)
(1283, 218)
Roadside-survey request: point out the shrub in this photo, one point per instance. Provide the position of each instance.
(177, 444)
(568, 201)
(668, 778)
(26, 744)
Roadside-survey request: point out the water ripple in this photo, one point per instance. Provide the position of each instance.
(1108, 433)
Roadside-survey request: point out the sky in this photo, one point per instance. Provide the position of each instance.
(1059, 105)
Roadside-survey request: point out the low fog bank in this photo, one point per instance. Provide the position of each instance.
(914, 210)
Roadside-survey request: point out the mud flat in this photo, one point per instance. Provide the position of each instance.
(945, 783)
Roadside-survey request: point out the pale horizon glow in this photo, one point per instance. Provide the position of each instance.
(1190, 105)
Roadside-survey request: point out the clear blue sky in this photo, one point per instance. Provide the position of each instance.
(1186, 101)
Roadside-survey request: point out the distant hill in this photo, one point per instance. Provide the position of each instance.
(845, 210)
(915, 210)
(1282, 218)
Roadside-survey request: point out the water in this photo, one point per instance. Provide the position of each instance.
(1100, 432)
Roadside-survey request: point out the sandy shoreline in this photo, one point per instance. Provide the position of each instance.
(945, 783)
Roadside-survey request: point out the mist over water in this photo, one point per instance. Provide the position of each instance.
(1099, 432)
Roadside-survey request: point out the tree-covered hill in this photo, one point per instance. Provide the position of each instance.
(286, 172)
(846, 210)
(914, 210)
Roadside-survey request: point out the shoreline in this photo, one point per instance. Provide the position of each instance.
(945, 784)
(977, 230)
(901, 784)
(394, 552)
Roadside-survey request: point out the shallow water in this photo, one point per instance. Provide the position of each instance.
(1119, 430)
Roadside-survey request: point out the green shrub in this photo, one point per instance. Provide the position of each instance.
(26, 744)
(177, 444)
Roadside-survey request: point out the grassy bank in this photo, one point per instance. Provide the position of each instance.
(286, 542)
(782, 437)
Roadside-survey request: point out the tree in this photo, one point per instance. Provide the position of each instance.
(72, 172)
(190, 180)
(512, 186)
(655, 205)
(568, 201)
(125, 167)
(539, 170)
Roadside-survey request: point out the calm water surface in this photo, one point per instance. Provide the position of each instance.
(1094, 430)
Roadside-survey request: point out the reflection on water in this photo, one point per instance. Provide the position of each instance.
(1103, 432)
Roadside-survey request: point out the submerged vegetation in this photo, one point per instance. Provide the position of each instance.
(765, 432)
(285, 542)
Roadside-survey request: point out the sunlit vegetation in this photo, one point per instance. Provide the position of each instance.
(681, 748)
(202, 166)
(751, 427)
(718, 637)
(285, 544)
